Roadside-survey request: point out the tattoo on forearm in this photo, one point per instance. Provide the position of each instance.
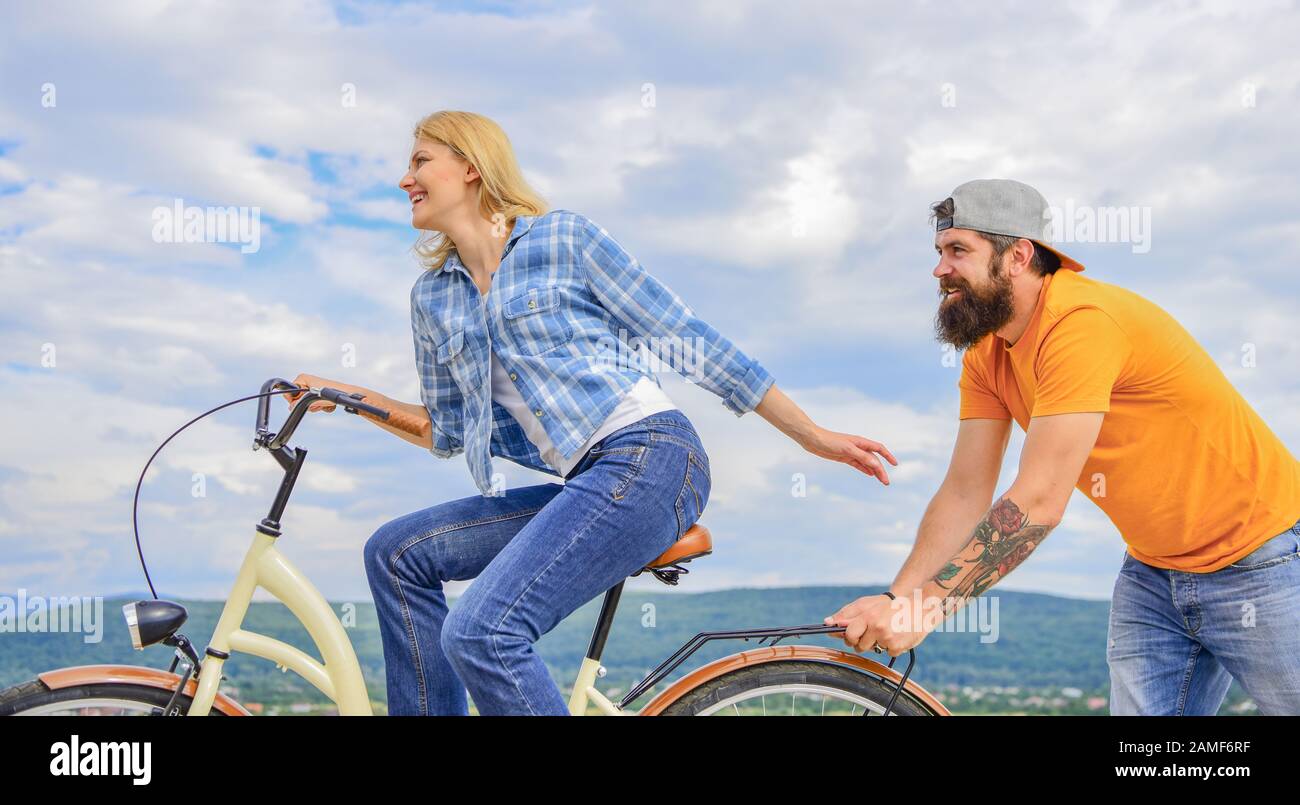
(1002, 540)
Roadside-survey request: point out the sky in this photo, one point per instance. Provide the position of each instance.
(771, 162)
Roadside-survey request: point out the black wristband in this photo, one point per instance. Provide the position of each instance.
(891, 595)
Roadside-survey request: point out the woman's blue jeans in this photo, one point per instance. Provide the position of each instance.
(536, 554)
(1177, 639)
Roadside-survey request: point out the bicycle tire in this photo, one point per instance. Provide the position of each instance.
(780, 676)
(25, 697)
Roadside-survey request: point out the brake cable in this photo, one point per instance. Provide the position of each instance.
(135, 504)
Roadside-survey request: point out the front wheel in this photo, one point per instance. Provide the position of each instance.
(795, 687)
(34, 698)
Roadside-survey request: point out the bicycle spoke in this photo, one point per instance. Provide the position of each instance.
(805, 699)
(91, 707)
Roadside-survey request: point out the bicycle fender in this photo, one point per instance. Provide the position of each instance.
(135, 675)
(760, 656)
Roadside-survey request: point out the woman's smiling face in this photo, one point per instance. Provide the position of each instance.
(437, 181)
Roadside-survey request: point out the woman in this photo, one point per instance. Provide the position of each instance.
(521, 327)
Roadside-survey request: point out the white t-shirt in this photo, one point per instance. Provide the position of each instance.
(642, 400)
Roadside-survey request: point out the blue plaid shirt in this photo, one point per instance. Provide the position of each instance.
(565, 309)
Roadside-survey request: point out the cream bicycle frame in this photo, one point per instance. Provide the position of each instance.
(584, 692)
(339, 677)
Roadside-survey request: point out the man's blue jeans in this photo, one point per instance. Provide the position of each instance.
(1177, 640)
(536, 554)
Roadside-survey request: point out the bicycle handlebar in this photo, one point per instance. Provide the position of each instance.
(352, 403)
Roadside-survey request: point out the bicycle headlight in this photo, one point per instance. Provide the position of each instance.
(151, 622)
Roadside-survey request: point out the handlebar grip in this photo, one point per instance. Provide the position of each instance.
(416, 426)
(353, 403)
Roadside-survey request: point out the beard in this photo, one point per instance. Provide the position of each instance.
(963, 321)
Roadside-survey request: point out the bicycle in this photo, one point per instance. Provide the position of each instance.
(812, 677)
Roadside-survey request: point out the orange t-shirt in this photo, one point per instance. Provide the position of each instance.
(1186, 470)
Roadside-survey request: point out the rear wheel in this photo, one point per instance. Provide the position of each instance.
(795, 687)
(34, 698)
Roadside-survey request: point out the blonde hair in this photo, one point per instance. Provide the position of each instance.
(502, 187)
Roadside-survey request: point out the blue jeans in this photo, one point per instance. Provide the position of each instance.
(1177, 640)
(536, 554)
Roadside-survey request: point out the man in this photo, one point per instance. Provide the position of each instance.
(1117, 400)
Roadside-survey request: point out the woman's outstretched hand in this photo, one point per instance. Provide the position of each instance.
(859, 452)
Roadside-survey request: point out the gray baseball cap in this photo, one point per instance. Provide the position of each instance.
(1004, 207)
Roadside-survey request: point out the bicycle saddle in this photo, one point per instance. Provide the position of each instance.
(696, 542)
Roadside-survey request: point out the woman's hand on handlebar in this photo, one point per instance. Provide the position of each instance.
(404, 419)
(315, 381)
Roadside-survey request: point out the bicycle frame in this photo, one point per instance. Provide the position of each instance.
(584, 687)
(339, 677)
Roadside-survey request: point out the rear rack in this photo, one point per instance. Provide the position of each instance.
(775, 635)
